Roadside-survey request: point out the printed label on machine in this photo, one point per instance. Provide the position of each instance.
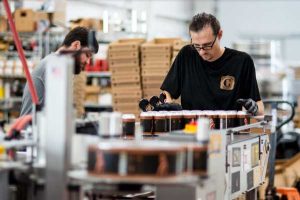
(215, 142)
(235, 182)
(250, 183)
(257, 176)
(236, 157)
(255, 154)
(246, 159)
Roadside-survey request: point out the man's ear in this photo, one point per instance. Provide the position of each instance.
(76, 45)
(220, 34)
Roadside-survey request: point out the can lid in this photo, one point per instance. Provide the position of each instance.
(175, 113)
(232, 112)
(242, 113)
(160, 114)
(147, 114)
(128, 116)
(188, 113)
(223, 113)
(200, 113)
(211, 113)
(110, 114)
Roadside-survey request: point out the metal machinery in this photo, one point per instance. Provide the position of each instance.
(53, 159)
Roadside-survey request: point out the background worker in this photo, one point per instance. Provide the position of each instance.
(76, 40)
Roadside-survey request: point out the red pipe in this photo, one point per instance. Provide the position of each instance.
(21, 53)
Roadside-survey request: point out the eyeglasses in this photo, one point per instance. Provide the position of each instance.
(206, 47)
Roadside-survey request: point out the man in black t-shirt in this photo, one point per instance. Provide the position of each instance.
(210, 77)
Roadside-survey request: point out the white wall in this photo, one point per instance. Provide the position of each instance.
(170, 18)
(166, 18)
(263, 19)
(207, 6)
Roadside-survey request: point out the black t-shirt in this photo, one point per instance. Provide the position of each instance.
(213, 85)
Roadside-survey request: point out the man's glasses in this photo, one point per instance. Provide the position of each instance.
(205, 47)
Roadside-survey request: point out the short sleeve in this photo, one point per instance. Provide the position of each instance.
(27, 100)
(251, 89)
(172, 82)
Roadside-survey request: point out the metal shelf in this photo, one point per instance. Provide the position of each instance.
(12, 99)
(15, 53)
(98, 74)
(12, 76)
(97, 108)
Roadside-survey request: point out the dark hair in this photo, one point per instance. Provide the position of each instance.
(201, 20)
(82, 34)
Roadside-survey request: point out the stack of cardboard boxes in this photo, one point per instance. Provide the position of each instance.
(3, 24)
(156, 61)
(124, 64)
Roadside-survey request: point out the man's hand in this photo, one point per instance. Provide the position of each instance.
(249, 105)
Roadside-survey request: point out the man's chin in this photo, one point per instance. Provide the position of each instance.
(206, 58)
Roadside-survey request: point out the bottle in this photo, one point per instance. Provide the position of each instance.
(1, 90)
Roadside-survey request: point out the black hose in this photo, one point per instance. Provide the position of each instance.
(277, 102)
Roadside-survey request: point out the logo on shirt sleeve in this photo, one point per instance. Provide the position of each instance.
(227, 82)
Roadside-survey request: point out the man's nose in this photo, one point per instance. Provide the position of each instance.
(201, 52)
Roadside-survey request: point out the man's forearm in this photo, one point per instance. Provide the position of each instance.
(261, 108)
(168, 97)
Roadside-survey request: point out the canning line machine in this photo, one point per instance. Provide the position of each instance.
(49, 160)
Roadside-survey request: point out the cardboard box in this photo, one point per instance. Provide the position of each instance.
(3, 24)
(159, 56)
(125, 79)
(124, 70)
(155, 72)
(149, 63)
(153, 78)
(151, 86)
(132, 44)
(126, 106)
(151, 82)
(151, 47)
(126, 94)
(91, 89)
(178, 44)
(92, 98)
(40, 15)
(124, 63)
(117, 101)
(165, 40)
(132, 40)
(90, 23)
(117, 47)
(149, 93)
(25, 20)
(129, 110)
(125, 86)
(123, 55)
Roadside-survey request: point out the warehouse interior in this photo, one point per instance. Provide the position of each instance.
(128, 124)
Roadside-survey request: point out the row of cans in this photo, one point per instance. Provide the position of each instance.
(158, 122)
(146, 159)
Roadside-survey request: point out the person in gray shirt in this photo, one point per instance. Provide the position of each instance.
(76, 40)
